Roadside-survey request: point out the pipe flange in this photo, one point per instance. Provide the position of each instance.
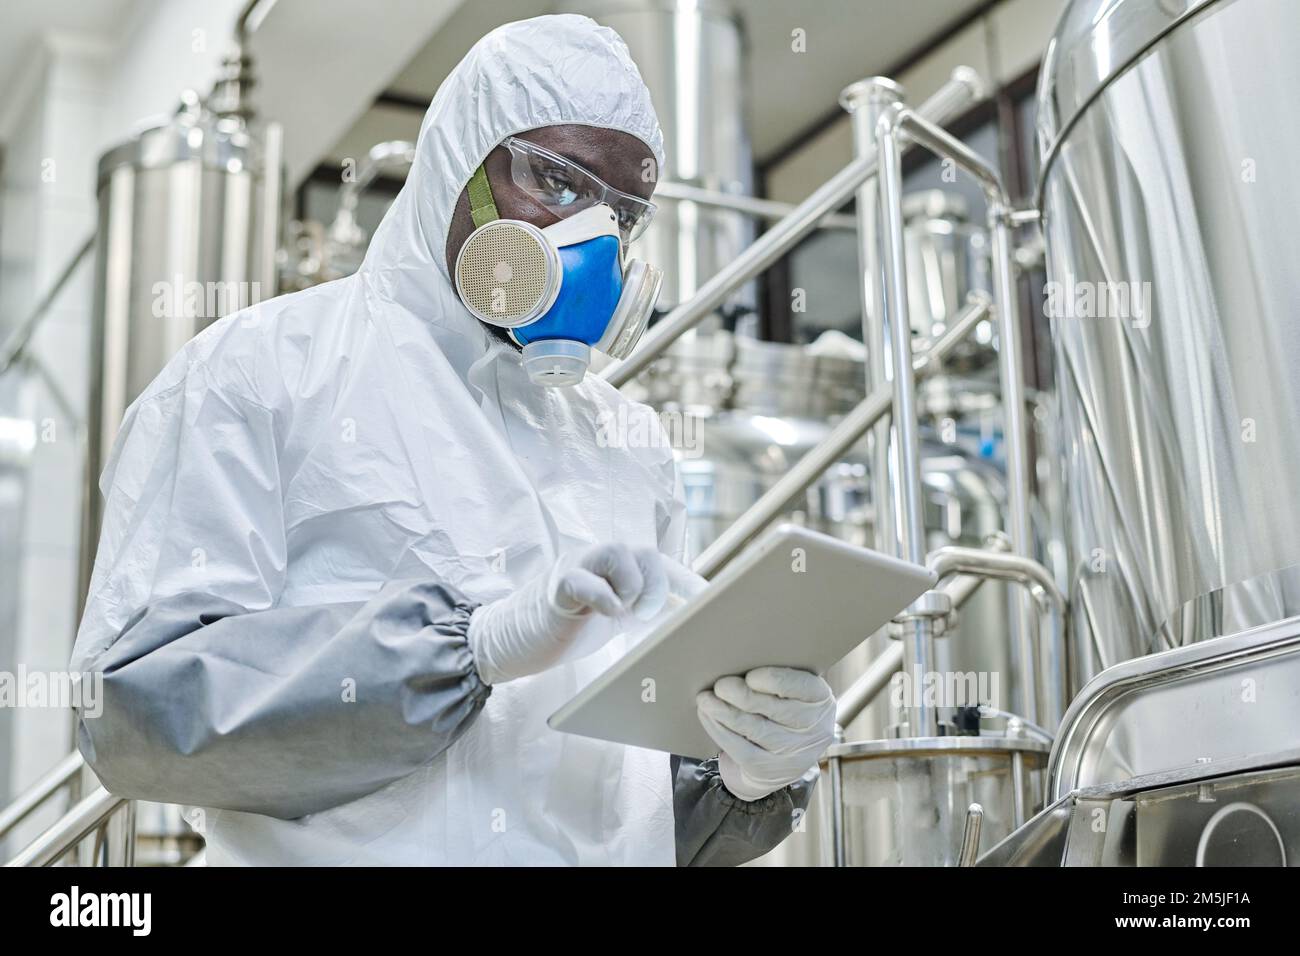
(934, 605)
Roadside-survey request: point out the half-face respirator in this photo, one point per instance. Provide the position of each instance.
(561, 290)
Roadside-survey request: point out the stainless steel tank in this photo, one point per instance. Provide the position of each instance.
(692, 58)
(947, 258)
(1167, 149)
(188, 220)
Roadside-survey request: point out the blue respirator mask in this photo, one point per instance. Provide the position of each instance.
(561, 291)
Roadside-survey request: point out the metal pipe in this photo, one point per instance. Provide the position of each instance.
(70, 829)
(952, 97)
(970, 837)
(1038, 581)
(272, 186)
(397, 153)
(43, 789)
(939, 141)
(1010, 372)
(1000, 565)
(766, 209)
(866, 101)
(920, 715)
(17, 342)
(246, 25)
(871, 682)
(1014, 431)
(960, 588)
(830, 449)
(1018, 812)
(839, 839)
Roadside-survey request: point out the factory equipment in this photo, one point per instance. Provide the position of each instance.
(188, 231)
(1172, 299)
(314, 253)
(916, 750)
(1189, 756)
(692, 58)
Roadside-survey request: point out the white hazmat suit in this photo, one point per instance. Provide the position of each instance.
(304, 509)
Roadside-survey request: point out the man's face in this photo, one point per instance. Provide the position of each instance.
(621, 160)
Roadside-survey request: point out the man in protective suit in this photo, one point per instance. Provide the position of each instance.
(353, 556)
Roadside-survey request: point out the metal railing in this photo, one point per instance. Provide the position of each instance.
(830, 449)
(95, 814)
(896, 127)
(63, 776)
(951, 99)
(109, 818)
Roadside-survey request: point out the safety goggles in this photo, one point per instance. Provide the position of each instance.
(564, 187)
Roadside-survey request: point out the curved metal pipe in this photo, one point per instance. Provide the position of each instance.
(1036, 579)
(392, 154)
(858, 695)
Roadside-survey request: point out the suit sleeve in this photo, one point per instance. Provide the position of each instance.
(209, 693)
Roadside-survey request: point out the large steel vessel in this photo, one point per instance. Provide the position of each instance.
(1174, 278)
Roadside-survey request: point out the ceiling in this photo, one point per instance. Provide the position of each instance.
(845, 40)
(22, 25)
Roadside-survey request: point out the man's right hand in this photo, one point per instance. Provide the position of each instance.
(530, 631)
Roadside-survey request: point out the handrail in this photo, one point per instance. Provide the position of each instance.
(963, 88)
(896, 127)
(829, 450)
(768, 209)
(16, 343)
(71, 829)
(27, 802)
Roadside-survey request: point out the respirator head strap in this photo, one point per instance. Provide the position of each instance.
(482, 204)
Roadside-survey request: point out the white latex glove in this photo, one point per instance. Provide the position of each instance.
(771, 726)
(531, 630)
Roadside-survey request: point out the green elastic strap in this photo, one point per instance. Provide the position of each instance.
(482, 207)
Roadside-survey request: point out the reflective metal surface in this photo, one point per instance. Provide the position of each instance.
(1245, 820)
(1095, 41)
(1203, 704)
(1178, 405)
(1243, 812)
(188, 220)
(906, 802)
(692, 57)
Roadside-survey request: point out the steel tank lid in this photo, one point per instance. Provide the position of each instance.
(1094, 42)
(192, 133)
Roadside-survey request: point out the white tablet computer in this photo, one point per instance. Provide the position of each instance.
(796, 598)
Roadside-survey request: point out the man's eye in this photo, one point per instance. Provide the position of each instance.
(559, 186)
